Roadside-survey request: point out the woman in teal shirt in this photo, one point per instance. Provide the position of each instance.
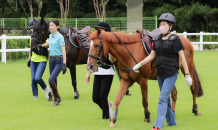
(57, 60)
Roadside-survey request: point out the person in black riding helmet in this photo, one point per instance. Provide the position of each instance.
(167, 50)
(37, 64)
(102, 80)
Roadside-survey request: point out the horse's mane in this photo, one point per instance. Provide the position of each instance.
(64, 31)
(124, 37)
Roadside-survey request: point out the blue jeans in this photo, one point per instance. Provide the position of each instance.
(37, 70)
(164, 106)
(55, 66)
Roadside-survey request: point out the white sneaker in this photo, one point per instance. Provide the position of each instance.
(46, 92)
(110, 104)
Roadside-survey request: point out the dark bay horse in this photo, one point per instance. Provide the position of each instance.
(72, 52)
(102, 43)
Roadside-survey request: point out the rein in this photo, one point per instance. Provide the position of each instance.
(102, 50)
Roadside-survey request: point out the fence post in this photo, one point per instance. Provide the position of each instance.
(4, 48)
(185, 34)
(76, 22)
(3, 23)
(201, 41)
(25, 23)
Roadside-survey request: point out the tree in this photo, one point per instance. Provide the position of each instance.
(31, 7)
(100, 9)
(64, 11)
(39, 3)
(23, 9)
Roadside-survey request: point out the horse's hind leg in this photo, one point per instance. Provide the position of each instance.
(124, 85)
(174, 98)
(72, 68)
(144, 90)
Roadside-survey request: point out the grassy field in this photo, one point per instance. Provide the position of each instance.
(19, 111)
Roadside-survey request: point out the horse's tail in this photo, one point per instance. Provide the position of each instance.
(198, 88)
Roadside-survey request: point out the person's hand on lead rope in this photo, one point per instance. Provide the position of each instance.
(136, 67)
(64, 68)
(188, 80)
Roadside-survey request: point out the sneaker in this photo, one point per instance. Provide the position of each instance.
(110, 104)
(46, 91)
(155, 128)
(35, 98)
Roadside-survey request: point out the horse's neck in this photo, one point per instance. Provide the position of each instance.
(122, 55)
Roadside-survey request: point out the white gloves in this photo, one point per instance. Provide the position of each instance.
(136, 67)
(188, 79)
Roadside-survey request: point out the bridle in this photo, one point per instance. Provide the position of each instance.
(42, 36)
(101, 50)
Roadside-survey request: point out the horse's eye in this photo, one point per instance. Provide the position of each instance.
(96, 46)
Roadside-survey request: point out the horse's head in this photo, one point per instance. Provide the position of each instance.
(97, 50)
(40, 33)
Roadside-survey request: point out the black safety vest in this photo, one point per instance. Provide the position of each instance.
(164, 52)
(107, 61)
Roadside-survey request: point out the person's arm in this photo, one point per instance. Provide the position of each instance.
(149, 58)
(183, 61)
(30, 54)
(45, 45)
(64, 54)
(88, 77)
(145, 61)
(111, 58)
(185, 67)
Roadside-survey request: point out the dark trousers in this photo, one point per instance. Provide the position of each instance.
(101, 89)
(55, 66)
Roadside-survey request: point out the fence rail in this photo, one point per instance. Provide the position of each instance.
(3, 38)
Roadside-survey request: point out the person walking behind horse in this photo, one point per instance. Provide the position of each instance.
(57, 60)
(37, 63)
(102, 80)
(167, 49)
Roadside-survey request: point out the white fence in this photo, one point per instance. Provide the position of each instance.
(185, 34)
(3, 49)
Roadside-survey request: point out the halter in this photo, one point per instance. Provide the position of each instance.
(42, 35)
(102, 50)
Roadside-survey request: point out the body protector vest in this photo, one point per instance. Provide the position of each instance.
(106, 61)
(165, 54)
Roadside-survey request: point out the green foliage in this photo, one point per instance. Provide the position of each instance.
(76, 14)
(53, 14)
(166, 8)
(115, 13)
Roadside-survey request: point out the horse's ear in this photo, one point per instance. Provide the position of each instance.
(41, 22)
(89, 31)
(35, 20)
(98, 32)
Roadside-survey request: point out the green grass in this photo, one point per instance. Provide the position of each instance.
(19, 111)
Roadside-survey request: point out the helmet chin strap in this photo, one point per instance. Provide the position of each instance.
(166, 33)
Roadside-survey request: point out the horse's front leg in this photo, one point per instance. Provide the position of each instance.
(124, 85)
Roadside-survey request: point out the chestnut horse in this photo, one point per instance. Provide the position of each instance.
(102, 43)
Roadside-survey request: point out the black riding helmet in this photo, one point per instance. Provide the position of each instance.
(167, 17)
(31, 23)
(103, 25)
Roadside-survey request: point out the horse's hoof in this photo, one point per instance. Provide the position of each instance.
(112, 125)
(76, 97)
(148, 120)
(197, 113)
